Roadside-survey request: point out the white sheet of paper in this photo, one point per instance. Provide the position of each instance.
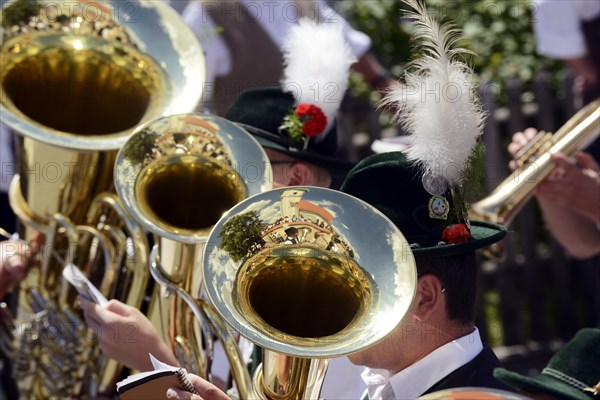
(84, 287)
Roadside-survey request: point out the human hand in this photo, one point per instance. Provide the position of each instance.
(125, 334)
(520, 140)
(14, 263)
(206, 391)
(574, 184)
(586, 73)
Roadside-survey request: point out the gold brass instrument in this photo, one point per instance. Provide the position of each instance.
(505, 202)
(296, 271)
(177, 176)
(76, 77)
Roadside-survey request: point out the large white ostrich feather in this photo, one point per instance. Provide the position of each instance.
(438, 104)
(317, 65)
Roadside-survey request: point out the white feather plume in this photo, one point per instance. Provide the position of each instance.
(317, 65)
(437, 104)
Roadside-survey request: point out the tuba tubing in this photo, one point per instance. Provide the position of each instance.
(505, 202)
(204, 312)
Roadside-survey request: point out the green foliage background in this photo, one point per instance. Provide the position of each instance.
(500, 32)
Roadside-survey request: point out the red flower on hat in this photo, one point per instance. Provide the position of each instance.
(313, 119)
(457, 233)
(305, 121)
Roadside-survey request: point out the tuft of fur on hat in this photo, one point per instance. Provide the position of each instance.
(317, 65)
(437, 104)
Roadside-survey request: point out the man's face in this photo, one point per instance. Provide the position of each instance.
(287, 171)
(393, 350)
(425, 327)
(281, 166)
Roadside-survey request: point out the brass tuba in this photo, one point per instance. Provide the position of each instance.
(307, 274)
(177, 176)
(76, 77)
(505, 202)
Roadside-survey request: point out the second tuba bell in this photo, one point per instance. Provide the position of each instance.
(177, 176)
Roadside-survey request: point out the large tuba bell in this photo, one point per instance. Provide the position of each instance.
(307, 274)
(76, 77)
(505, 202)
(177, 176)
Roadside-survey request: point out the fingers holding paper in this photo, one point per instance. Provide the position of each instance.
(206, 391)
(125, 334)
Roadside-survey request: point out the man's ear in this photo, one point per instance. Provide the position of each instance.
(299, 174)
(429, 298)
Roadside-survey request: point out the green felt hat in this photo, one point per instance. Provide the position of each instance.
(573, 372)
(393, 185)
(261, 112)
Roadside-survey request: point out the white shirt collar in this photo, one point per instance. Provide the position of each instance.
(414, 380)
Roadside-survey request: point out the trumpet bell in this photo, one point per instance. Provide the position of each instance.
(309, 272)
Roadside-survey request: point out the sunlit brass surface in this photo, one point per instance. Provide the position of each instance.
(505, 202)
(188, 178)
(107, 67)
(177, 176)
(79, 80)
(76, 77)
(298, 295)
(307, 274)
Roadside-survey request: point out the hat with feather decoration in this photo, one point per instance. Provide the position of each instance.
(298, 117)
(421, 189)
